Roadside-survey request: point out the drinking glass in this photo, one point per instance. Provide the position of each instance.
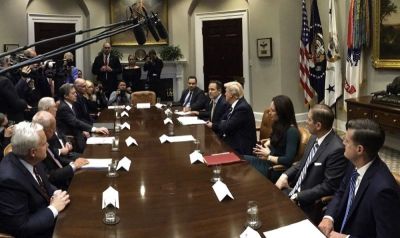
(196, 143)
(117, 125)
(110, 215)
(112, 169)
(252, 215)
(170, 129)
(115, 143)
(158, 100)
(216, 173)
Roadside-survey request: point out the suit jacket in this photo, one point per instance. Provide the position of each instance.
(198, 100)
(69, 124)
(55, 145)
(23, 208)
(153, 68)
(220, 109)
(238, 128)
(59, 177)
(11, 104)
(109, 80)
(376, 207)
(325, 171)
(81, 109)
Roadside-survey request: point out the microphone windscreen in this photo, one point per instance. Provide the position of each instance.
(138, 32)
(162, 32)
(150, 26)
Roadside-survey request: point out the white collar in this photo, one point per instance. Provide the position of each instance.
(322, 138)
(234, 104)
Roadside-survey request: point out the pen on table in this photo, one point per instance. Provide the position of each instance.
(223, 153)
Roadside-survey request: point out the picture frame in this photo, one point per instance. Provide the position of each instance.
(120, 12)
(386, 31)
(9, 47)
(264, 47)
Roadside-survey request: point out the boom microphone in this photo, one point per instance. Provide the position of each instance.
(138, 32)
(150, 26)
(162, 32)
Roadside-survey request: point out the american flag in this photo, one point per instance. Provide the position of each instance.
(303, 59)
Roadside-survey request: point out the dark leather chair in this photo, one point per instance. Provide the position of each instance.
(143, 97)
(265, 127)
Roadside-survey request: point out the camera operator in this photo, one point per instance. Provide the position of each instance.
(120, 96)
(101, 98)
(66, 72)
(153, 67)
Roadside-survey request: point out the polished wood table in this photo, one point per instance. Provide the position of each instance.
(163, 195)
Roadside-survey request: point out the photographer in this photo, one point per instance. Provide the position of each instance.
(121, 96)
(71, 72)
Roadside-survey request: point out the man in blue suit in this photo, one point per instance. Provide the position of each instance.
(216, 107)
(367, 203)
(29, 204)
(237, 126)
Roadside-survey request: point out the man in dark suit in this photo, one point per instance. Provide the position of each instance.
(321, 169)
(29, 204)
(368, 201)
(237, 126)
(67, 121)
(60, 172)
(11, 104)
(193, 98)
(107, 67)
(81, 102)
(216, 107)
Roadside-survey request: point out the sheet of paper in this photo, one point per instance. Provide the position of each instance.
(250, 233)
(97, 163)
(143, 105)
(182, 113)
(99, 140)
(163, 139)
(116, 107)
(190, 121)
(110, 197)
(302, 229)
(196, 156)
(183, 138)
(128, 108)
(124, 114)
(168, 120)
(168, 111)
(129, 141)
(159, 105)
(124, 163)
(125, 125)
(221, 190)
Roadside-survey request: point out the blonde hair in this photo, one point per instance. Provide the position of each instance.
(234, 88)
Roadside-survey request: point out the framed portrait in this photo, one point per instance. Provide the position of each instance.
(9, 47)
(120, 12)
(386, 34)
(264, 48)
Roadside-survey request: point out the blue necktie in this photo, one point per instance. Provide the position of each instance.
(187, 99)
(304, 170)
(350, 199)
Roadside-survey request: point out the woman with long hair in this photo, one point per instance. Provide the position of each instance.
(131, 75)
(281, 147)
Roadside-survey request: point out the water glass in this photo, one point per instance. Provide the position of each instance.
(252, 215)
(115, 143)
(196, 143)
(110, 215)
(112, 169)
(117, 125)
(170, 129)
(216, 173)
(158, 100)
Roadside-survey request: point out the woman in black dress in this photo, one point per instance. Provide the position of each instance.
(131, 75)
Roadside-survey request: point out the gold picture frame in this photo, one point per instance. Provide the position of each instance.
(386, 35)
(120, 12)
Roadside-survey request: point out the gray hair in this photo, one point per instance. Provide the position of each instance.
(45, 103)
(25, 137)
(234, 88)
(43, 118)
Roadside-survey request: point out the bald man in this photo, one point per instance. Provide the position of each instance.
(107, 67)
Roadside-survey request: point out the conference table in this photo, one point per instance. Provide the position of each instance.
(163, 194)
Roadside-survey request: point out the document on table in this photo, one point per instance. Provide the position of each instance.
(302, 229)
(172, 139)
(97, 163)
(159, 105)
(190, 121)
(143, 105)
(182, 113)
(99, 140)
(116, 107)
(110, 197)
(108, 125)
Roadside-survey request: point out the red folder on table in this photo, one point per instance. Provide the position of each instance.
(221, 158)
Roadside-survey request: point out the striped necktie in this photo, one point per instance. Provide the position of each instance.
(212, 109)
(187, 99)
(304, 170)
(54, 158)
(350, 199)
(43, 190)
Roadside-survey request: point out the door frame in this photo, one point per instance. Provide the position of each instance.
(51, 18)
(199, 18)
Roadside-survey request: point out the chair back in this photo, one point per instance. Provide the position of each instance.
(396, 177)
(143, 97)
(7, 149)
(3, 235)
(266, 125)
(304, 137)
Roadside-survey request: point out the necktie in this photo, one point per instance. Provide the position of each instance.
(187, 99)
(106, 60)
(230, 113)
(54, 158)
(43, 190)
(212, 109)
(304, 170)
(350, 199)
